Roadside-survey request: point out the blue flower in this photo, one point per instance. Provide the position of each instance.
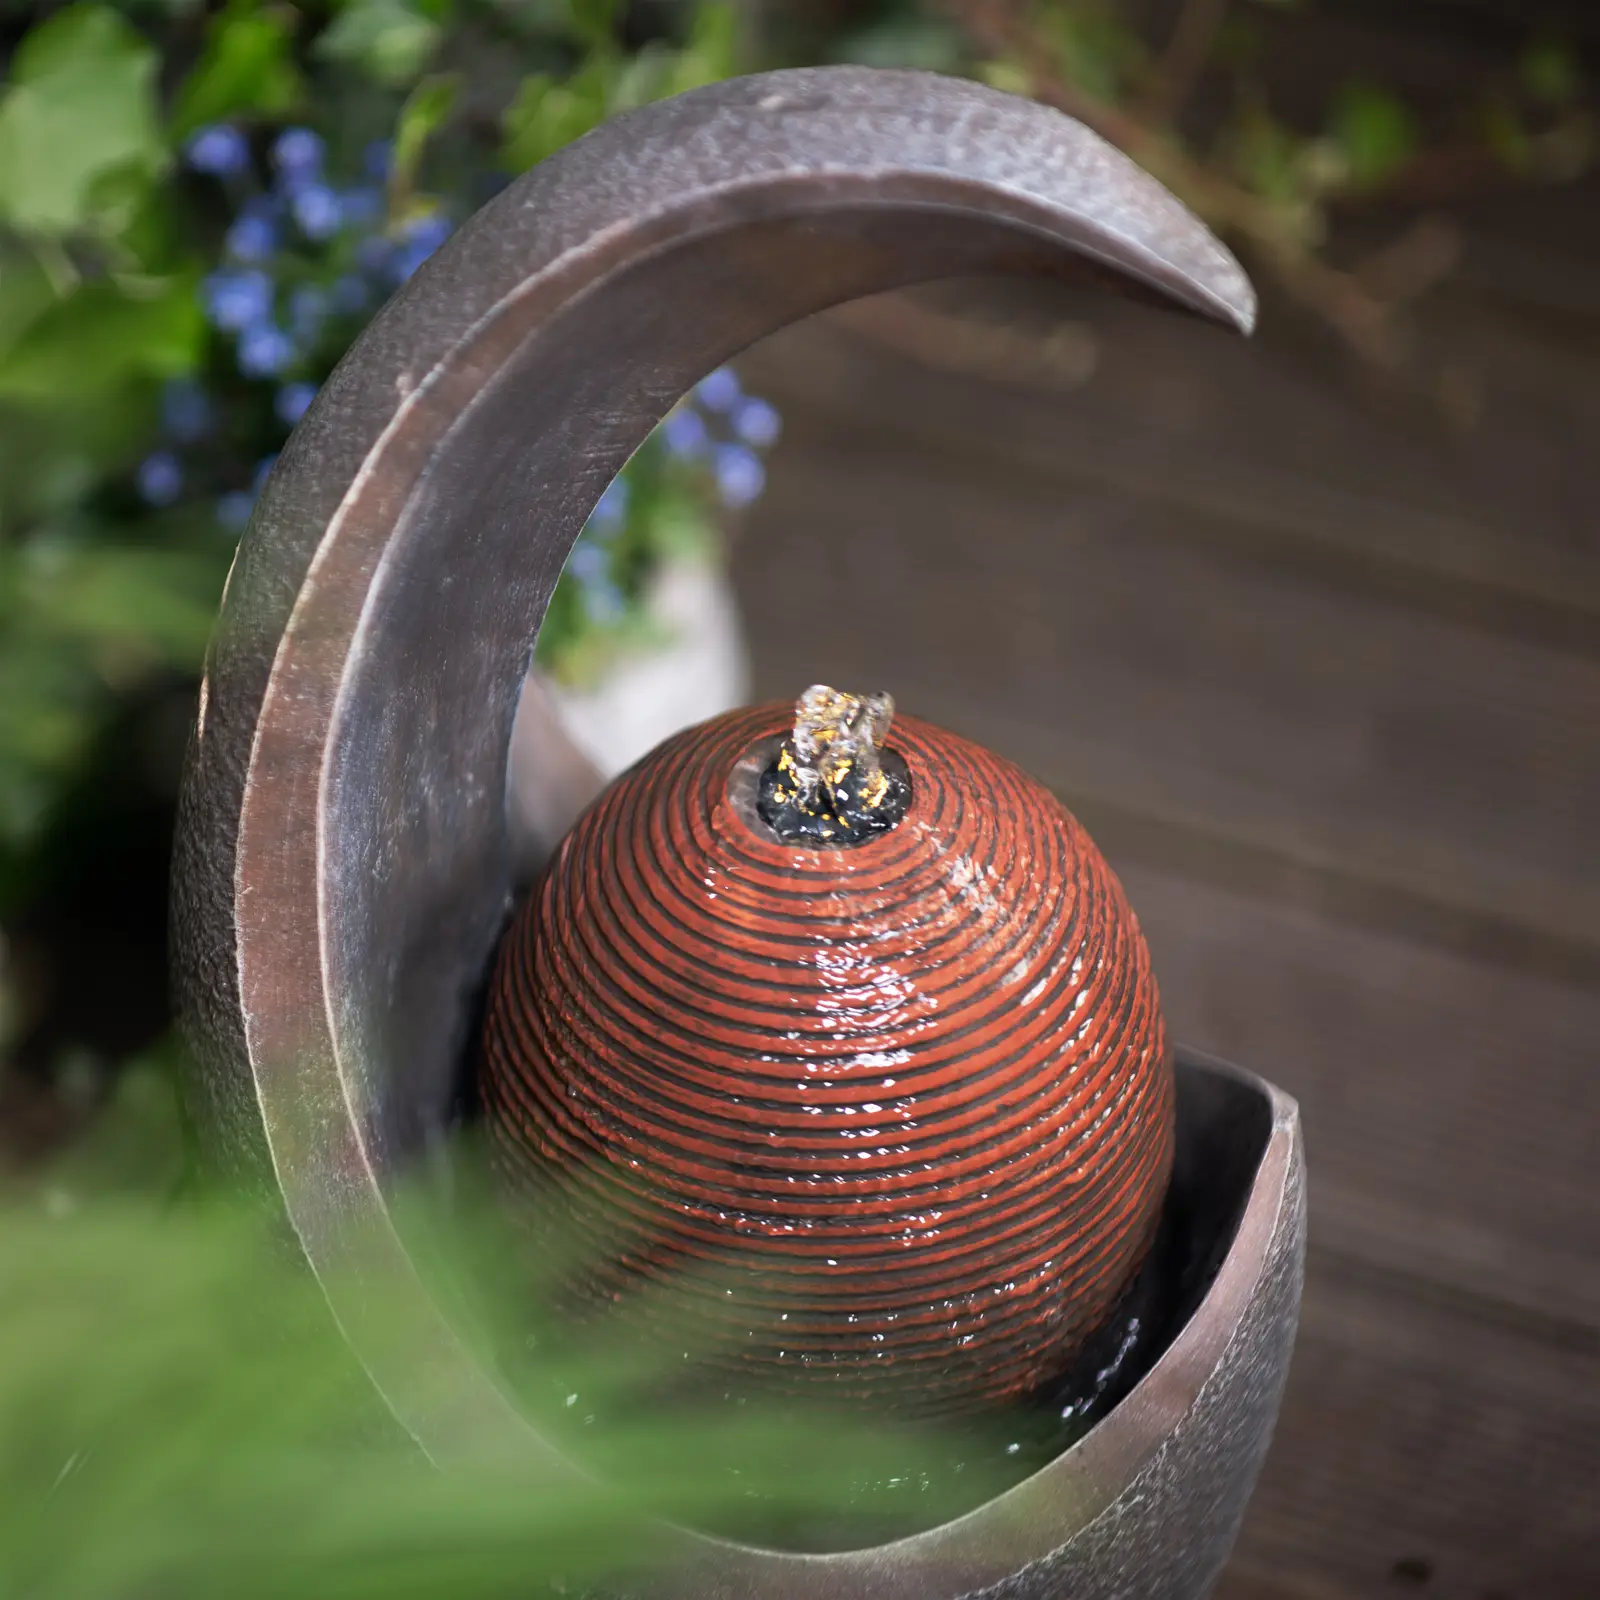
(298, 153)
(374, 255)
(264, 351)
(588, 563)
(350, 294)
(237, 300)
(363, 207)
(740, 475)
(719, 390)
(292, 402)
(611, 509)
(403, 265)
(220, 150)
(308, 306)
(757, 423)
(253, 237)
(379, 159)
(160, 478)
(317, 210)
(418, 241)
(685, 433)
(603, 601)
(233, 510)
(185, 411)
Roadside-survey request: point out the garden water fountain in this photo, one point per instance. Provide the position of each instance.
(345, 871)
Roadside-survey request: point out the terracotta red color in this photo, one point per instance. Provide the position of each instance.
(910, 1102)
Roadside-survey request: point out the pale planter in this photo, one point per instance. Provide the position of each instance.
(646, 696)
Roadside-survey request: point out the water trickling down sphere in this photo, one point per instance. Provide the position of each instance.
(879, 1103)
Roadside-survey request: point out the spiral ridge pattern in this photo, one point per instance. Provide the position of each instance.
(896, 1118)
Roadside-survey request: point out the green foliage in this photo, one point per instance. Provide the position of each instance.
(928, 44)
(101, 337)
(388, 39)
(666, 522)
(550, 112)
(1552, 73)
(553, 109)
(79, 117)
(104, 248)
(1374, 133)
(118, 245)
(179, 1417)
(426, 110)
(246, 68)
(1096, 49)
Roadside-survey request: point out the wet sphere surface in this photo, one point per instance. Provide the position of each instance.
(894, 1119)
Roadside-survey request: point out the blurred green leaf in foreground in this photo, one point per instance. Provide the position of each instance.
(180, 1419)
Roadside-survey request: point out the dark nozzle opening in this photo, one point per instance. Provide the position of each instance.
(832, 783)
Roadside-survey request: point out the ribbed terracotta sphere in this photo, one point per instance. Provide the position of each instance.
(893, 1116)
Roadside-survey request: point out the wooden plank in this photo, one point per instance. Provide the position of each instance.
(1423, 1451)
(1174, 413)
(1450, 1106)
(1244, 1581)
(1114, 654)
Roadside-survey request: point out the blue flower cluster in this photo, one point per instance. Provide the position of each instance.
(306, 259)
(747, 426)
(595, 558)
(302, 254)
(716, 432)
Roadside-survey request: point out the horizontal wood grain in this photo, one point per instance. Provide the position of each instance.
(1423, 1451)
(1449, 1105)
(1177, 414)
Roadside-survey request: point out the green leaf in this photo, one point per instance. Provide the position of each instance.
(161, 10)
(1094, 50)
(657, 70)
(928, 43)
(1374, 132)
(593, 21)
(711, 53)
(1006, 76)
(426, 110)
(135, 1143)
(46, 719)
(1266, 156)
(81, 107)
(680, 528)
(548, 113)
(26, 292)
(138, 608)
(53, 455)
(247, 66)
(390, 40)
(100, 336)
(647, 76)
(1551, 73)
(1506, 136)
